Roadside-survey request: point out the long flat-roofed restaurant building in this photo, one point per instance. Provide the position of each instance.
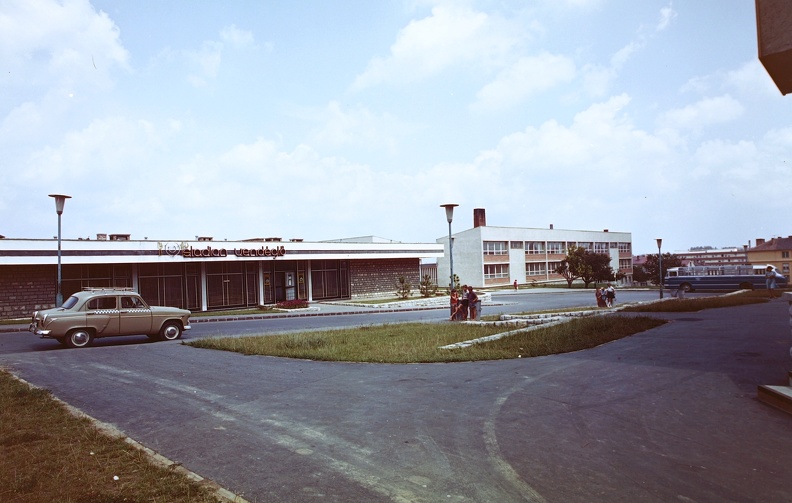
(203, 274)
(495, 256)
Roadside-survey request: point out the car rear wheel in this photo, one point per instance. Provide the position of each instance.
(79, 338)
(170, 331)
(686, 287)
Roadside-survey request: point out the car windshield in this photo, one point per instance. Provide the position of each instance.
(70, 302)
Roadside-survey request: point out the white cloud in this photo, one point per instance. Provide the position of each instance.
(236, 37)
(58, 44)
(453, 34)
(667, 15)
(358, 127)
(527, 76)
(206, 62)
(705, 112)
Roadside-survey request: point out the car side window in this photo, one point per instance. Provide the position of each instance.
(102, 303)
(131, 303)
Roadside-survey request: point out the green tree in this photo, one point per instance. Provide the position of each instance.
(427, 286)
(652, 266)
(570, 267)
(404, 288)
(601, 270)
(585, 265)
(640, 275)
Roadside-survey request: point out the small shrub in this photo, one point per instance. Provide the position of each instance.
(292, 304)
(427, 287)
(404, 288)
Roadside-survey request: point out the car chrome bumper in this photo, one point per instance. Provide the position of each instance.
(38, 331)
(187, 327)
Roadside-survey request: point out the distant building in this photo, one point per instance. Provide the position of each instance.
(497, 256)
(714, 257)
(775, 252)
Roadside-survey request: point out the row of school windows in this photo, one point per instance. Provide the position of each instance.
(499, 271)
(551, 247)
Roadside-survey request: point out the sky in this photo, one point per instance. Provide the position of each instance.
(321, 120)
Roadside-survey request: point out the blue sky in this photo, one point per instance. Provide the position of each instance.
(321, 120)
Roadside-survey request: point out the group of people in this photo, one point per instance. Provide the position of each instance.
(606, 296)
(465, 306)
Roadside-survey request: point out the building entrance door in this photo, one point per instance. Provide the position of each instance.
(285, 287)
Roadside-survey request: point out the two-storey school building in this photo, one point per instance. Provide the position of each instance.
(487, 256)
(205, 275)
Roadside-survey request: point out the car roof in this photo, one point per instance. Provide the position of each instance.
(92, 292)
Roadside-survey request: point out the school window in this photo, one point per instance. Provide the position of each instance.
(534, 247)
(625, 263)
(624, 247)
(601, 248)
(556, 247)
(494, 271)
(585, 245)
(495, 248)
(785, 268)
(516, 245)
(535, 269)
(784, 254)
(552, 266)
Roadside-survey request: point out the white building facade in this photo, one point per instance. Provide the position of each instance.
(497, 256)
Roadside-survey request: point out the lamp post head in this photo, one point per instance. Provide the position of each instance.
(659, 243)
(449, 211)
(60, 200)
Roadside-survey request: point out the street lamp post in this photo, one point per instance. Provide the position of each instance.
(449, 209)
(660, 264)
(60, 200)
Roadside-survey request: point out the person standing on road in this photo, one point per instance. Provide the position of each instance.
(599, 294)
(465, 304)
(770, 280)
(454, 302)
(610, 295)
(473, 302)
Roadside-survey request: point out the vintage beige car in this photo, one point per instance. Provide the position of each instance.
(97, 312)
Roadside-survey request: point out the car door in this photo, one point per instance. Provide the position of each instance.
(102, 315)
(135, 318)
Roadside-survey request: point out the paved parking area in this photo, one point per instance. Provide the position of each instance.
(667, 415)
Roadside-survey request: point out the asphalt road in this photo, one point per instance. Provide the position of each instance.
(609, 424)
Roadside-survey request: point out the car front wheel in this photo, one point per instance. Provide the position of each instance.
(79, 338)
(170, 331)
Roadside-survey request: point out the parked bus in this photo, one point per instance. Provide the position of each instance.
(729, 277)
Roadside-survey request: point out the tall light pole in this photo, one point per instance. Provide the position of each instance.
(60, 200)
(660, 264)
(449, 208)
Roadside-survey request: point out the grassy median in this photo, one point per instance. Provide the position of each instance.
(677, 305)
(49, 455)
(422, 342)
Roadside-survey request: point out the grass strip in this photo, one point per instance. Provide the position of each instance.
(701, 303)
(421, 342)
(48, 454)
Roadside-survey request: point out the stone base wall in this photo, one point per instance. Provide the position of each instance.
(378, 278)
(26, 288)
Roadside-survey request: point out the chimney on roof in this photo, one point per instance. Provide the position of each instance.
(760, 241)
(551, 227)
(479, 217)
